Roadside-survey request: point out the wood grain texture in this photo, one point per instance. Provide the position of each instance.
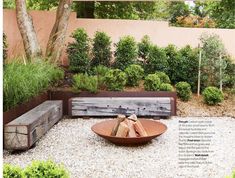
(23, 132)
(112, 106)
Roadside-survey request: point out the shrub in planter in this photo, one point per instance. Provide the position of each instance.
(163, 77)
(101, 49)
(10, 171)
(22, 82)
(126, 52)
(144, 47)
(84, 82)
(100, 71)
(173, 59)
(134, 74)
(183, 90)
(42, 169)
(152, 82)
(115, 80)
(78, 52)
(156, 61)
(212, 95)
(166, 87)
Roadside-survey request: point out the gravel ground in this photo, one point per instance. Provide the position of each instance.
(85, 154)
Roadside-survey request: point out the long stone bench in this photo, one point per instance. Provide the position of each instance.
(24, 131)
(112, 106)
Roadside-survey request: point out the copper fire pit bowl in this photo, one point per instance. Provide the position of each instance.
(153, 129)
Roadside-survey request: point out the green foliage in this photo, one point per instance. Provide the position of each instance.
(21, 82)
(183, 90)
(157, 61)
(5, 45)
(100, 71)
(131, 10)
(42, 4)
(126, 52)
(212, 48)
(229, 74)
(224, 13)
(10, 171)
(188, 66)
(212, 96)
(174, 60)
(115, 80)
(163, 77)
(152, 82)
(134, 74)
(166, 87)
(78, 52)
(48, 169)
(84, 82)
(177, 9)
(144, 47)
(101, 49)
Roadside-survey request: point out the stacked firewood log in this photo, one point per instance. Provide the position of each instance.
(128, 127)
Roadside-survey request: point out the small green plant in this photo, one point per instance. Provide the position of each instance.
(134, 74)
(152, 82)
(115, 80)
(183, 90)
(84, 82)
(126, 52)
(101, 49)
(42, 169)
(212, 95)
(78, 52)
(163, 77)
(100, 71)
(156, 61)
(10, 171)
(166, 87)
(144, 47)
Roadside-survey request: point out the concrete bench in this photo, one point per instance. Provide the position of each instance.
(112, 106)
(24, 131)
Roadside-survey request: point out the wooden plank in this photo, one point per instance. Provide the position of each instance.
(27, 129)
(112, 106)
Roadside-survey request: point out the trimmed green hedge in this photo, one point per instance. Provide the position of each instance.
(212, 96)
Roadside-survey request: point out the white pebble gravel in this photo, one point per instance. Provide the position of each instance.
(86, 155)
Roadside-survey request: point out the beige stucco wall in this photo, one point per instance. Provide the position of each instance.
(159, 31)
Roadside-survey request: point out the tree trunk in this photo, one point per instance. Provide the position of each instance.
(25, 24)
(56, 40)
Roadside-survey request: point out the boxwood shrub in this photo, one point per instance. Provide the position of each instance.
(183, 90)
(126, 52)
(134, 74)
(152, 82)
(84, 82)
(115, 80)
(163, 77)
(212, 95)
(166, 87)
(22, 82)
(101, 49)
(78, 52)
